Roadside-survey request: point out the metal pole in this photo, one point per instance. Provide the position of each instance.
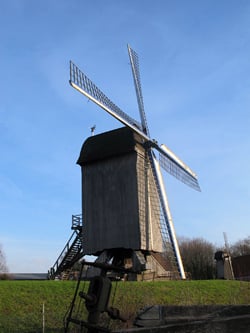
(43, 318)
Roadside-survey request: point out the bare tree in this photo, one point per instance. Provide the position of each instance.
(241, 247)
(3, 265)
(198, 258)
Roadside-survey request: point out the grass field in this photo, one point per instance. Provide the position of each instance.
(21, 302)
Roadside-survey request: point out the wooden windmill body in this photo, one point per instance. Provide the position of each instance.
(119, 201)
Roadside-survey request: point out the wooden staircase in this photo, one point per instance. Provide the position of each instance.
(71, 253)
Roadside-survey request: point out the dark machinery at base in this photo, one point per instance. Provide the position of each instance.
(96, 301)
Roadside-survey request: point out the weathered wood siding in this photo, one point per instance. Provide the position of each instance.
(120, 207)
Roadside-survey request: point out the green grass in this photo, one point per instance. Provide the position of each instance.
(21, 302)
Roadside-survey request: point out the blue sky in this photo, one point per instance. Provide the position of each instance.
(195, 72)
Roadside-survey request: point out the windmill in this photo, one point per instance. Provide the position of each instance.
(140, 133)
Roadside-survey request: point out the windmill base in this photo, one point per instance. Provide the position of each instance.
(144, 266)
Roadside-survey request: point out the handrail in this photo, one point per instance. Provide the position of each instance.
(76, 225)
(76, 221)
(61, 256)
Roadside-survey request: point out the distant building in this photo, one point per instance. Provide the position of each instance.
(224, 269)
(232, 268)
(241, 267)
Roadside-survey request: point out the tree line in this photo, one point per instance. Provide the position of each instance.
(198, 256)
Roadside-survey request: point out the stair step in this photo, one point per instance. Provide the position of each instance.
(70, 254)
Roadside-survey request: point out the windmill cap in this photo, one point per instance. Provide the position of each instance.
(109, 144)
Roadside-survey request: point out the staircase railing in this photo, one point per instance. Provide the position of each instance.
(71, 252)
(76, 221)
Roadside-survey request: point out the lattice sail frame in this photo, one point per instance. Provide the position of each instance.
(81, 81)
(159, 215)
(134, 61)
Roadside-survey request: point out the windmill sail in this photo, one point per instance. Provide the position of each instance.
(183, 173)
(171, 248)
(84, 85)
(134, 61)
